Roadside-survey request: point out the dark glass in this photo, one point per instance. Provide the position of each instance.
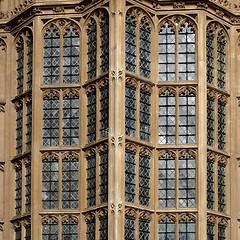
(221, 125)
(222, 232)
(103, 229)
(28, 187)
(18, 190)
(187, 229)
(210, 184)
(144, 229)
(210, 231)
(49, 231)
(20, 61)
(28, 125)
(210, 56)
(19, 133)
(28, 232)
(210, 121)
(221, 60)
(166, 229)
(129, 228)
(69, 230)
(103, 175)
(90, 234)
(18, 233)
(29, 61)
(104, 110)
(91, 115)
(221, 188)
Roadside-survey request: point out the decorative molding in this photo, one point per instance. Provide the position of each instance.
(178, 5)
(162, 217)
(220, 13)
(211, 218)
(235, 19)
(21, 7)
(118, 141)
(238, 160)
(2, 168)
(4, 15)
(35, 10)
(3, 45)
(112, 207)
(202, 5)
(120, 74)
(80, 8)
(113, 75)
(1, 226)
(58, 9)
(156, 6)
(2, 106)
(71, 218)
(49, 219)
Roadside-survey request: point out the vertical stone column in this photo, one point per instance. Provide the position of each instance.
(117, 120)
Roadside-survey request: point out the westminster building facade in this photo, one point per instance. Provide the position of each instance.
(119, 120)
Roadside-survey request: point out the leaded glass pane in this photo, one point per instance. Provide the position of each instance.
(92, 50)
(186, 52)
(187, 229)
(187, 181)
(104, 44)
(51, 60)
(129, 228)
(28, 232)
(145, 44)
(91, 116)
(210, 121)
(221, 187)
(166, 53)
(18, 233)
(70, 182)
(70, 119)
(210, 231)
(69, 230)
(221, 60)
(103, 228)
(222, 232)
(166, 229)
(20, 60)
(210, 184)
(104, 110)
(144, 179)
(145, 115)
(28, 187)
(130, 175)
(49, 182)
(29, 61)
(49, 231)
(71, 55)
(130, 110)
(166, 181)
(18, 190)
(28, 125)
(167, 118)
(91, 180)
(19, 125)
(221, 125)
(103, 175)
(50, 120)
(130, 43)
(90, 229)
(210, 56)
(187, 117)
(144, 229)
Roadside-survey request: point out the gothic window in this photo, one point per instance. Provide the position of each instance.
(187, 228)
(70, 181)
(71, 55)
(103, 228)
(166, 180)
(210, 231)
(144, 178)
(145, 105)
(167, 117)
(61, 54)
(19, 127)
(51, 119)
(28, 186)
(20, 65)
(18, 233)
(210, 183)
(69, 229)
(166, 228)
(130, 109)
(187, 180)
(179, 128)
(222, 233)
(18, 188)
(50, 230)
(91, 178)
(210, 120)
(221, 111)
(104, 39)
(130, 175)
(92, 49)
(91, 114)
(216, 45)
(130, 43)
(28, 232)
(138, 44)
(103, 174)
(221, 187)
(129, 227)
(176, 50)
(28, 138)
(177, 177)
(50, 182)
(144, 228)
(90, 231)
(70, 119)
(104, 109)
(29, 62)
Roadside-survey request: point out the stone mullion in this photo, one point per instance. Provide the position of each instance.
(201, 129)
(116, 120)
